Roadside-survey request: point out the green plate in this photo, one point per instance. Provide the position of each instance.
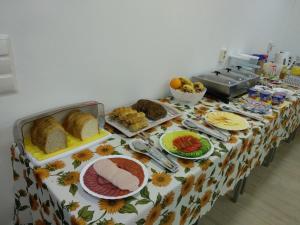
(166, 141)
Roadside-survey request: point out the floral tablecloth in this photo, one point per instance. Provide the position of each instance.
(52, 194)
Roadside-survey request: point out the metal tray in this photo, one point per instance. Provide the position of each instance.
(171, 114)
(22, 126)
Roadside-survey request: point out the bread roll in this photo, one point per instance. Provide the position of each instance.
(48, 135)
(81, 124)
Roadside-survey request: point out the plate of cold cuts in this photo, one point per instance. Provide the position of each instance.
(114, 177)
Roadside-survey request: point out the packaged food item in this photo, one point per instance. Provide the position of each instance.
(253, 93)
(261, 61)
(283, 94)
(277, 99)
(295, 71)
(266, 96)
(257, 106)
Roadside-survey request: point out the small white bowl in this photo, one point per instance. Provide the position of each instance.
(187, 97)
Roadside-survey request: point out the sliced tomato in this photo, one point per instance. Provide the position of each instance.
(187, 143)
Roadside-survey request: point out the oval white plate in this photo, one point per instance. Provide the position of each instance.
(206, 155)
(146, 176)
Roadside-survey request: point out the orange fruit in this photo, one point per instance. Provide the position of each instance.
(176, 83)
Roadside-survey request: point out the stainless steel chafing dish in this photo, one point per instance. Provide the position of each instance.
(22, 126)
(228, 82)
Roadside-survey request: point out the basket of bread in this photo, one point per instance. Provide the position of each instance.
(183, 89)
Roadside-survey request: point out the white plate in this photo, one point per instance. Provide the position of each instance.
(171, 114)
(146, 176)
(206, 155)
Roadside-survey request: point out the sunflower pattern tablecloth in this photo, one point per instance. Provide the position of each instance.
(52, 194)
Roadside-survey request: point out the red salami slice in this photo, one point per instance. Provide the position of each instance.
(101, 180)
(118, 192)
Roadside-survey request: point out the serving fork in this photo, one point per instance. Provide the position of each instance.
(156, 153)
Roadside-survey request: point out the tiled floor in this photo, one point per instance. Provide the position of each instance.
(272, 195)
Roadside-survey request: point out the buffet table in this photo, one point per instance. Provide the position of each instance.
(52, 194)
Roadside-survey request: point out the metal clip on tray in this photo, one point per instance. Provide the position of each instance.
(22, 126)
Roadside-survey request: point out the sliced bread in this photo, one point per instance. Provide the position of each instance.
(48, 135)
(81, 125)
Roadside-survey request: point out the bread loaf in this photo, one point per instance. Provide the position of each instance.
(81, 124)
(48, 135)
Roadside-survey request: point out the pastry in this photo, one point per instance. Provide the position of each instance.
(81, 125)
(48, 135)
(133, 118)
(116, 113)
(153, 110)
(129, 118)
(138, 126)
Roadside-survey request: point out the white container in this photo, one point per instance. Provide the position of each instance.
(187, 97)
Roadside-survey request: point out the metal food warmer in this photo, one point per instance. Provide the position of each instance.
(228, 83)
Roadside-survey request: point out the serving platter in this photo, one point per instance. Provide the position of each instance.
(166, 142)
(227, 121)
(171, 114)
(99, 187)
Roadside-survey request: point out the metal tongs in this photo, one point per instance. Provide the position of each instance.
(233, 109)
(214, 132)
(146, 147)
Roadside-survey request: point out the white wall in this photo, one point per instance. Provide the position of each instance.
(117, 51)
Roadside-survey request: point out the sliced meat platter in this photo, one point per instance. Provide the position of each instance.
(99, 185)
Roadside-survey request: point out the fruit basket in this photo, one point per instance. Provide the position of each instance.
(184, 90)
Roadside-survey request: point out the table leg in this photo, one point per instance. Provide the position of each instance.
(243, 186)
(274, 150)
(237, 191)
(291, 137)
(267, 159)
